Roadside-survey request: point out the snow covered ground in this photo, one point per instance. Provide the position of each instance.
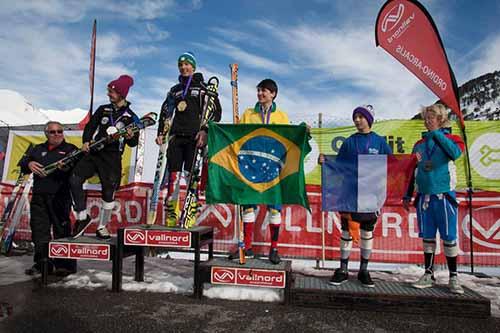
(176, 276)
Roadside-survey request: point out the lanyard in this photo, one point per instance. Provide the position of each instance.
(184, 93)
(368, 142)
(265, 116)
(113, 122)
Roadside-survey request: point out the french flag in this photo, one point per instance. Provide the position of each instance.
(364, 183)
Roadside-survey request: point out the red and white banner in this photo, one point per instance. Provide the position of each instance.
(248, 277)
(86, 251)
(396, 233)
(158, 238)
(406, 30)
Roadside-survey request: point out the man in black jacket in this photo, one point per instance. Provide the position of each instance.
(51, 202)
(186, 101)
(106, 162)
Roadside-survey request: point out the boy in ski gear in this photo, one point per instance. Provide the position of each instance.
(265, 111)
(365, 141)
(50, 205)
(107, 162)
(435, 201)
(182, 109)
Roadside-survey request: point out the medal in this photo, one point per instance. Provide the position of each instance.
(111, 130)
(428, 165)
(182, 106)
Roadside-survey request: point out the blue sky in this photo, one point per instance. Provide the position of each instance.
(321, 53)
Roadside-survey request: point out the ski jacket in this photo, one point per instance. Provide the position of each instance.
(442, 148)
(254, 116)
(57, 181)
(186, 122)
(106, 116)
(361, 143)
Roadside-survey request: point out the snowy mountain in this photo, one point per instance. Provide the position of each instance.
(16, 110)
(480, 98)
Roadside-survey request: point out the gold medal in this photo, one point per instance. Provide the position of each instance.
(182, 106)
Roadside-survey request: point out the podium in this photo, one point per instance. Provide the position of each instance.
(145, 236)
(89, 248)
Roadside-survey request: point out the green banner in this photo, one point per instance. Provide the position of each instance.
(483, 138)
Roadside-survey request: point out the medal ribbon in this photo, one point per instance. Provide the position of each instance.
(265, 118)
(429, 152)
(184, 93)
(113, 122)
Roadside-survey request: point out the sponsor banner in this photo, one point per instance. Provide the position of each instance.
(248, 277)
(159, 238)
(79, 251)
(395, 235)
(483, 138)
(405, 29)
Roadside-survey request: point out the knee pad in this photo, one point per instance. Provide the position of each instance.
(429, 245)
(275, 216)
(345, 240)
(366, 241)
(450, 248)
(248, 215)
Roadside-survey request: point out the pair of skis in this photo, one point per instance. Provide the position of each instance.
(236, 120)
(14, 211)
(147, 120)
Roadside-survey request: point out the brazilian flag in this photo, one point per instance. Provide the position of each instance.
(257, 164)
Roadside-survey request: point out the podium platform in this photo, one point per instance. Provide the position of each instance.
(88, 248)
(254, 273)
(145, 236)
(387, 297)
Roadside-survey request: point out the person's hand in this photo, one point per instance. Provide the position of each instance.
(321, 159)
(86, 147)
(201, 139)
(406, 204)
(159, 140)
(130, 134)
(36, 168)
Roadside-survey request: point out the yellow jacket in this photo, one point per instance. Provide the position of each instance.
(253, 116)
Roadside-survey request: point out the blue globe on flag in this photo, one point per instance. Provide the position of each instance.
(261, 159)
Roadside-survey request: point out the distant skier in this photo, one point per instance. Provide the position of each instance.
(50, 205)
(186, 100)
(107, 162)
(265, 111)
(435, 200)
(365, 141)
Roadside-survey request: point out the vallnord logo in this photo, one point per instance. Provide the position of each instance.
(485, 155)
(59, 250)
(487, 236)
(223, 275)
(392, 18)
(135, 236)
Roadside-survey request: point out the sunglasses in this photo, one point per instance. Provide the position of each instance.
(55, 131)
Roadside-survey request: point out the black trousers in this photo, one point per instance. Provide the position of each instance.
(181, 150)
(50, 211)
(107, 165)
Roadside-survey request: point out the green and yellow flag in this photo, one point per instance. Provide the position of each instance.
(257, 164)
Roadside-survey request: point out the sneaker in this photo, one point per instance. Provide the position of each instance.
(339, 276)
(80, 226)
(33, 270)
(454, 286)
(426, 281)
(236, 254)
(274, 257)
(102, 233)
(365, 279)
